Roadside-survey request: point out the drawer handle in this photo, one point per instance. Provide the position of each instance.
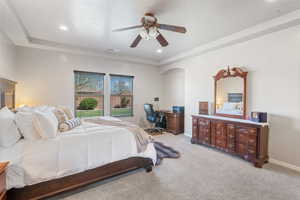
(252, 141)
(251, 151)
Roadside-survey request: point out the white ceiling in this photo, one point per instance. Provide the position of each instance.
(91, 22)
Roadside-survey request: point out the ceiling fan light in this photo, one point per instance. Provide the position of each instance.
(144, 34)
(153, 32)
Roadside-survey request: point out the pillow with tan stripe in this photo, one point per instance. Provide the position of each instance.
(60, 115)
(67, 111)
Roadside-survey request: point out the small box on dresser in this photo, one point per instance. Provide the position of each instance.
(3, 181)
(243, 138)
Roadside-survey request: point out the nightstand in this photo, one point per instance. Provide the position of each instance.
(3, 180)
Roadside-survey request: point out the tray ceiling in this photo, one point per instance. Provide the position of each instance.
(90, 22)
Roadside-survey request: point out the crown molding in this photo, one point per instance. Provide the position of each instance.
(55, 46)
(13, 27)
(289, 20)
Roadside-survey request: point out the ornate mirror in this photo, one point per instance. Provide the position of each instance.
(230, 93)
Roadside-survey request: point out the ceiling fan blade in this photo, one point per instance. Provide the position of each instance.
(136, 41)
(128, 28)
(162, 41)
(178, 29)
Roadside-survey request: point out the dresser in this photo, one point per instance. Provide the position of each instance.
(175, 122)
(243, 138)
(3, 181)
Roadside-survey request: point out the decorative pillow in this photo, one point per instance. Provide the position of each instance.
(9, 133)
(67, 111)
(69, 125)
(60, 115)
(46, 124)
(26, 122)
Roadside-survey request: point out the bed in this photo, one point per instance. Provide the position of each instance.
(83, 155)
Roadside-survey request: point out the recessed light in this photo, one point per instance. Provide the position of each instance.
(270, 1)
(63, 28)
(159, 51)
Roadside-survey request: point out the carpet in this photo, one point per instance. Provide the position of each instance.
(201, 173)
(163, 151)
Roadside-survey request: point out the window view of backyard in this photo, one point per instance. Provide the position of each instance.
(121, 99)
(89, 89)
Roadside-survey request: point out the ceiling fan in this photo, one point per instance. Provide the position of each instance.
(150, 29)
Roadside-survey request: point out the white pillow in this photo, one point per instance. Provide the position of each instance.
(9, 133)
(47, 124)
(229, 106)
(25, 121)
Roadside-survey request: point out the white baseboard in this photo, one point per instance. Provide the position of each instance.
(187, 134)
(284, 164)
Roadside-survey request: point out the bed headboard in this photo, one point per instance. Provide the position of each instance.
(7, 93)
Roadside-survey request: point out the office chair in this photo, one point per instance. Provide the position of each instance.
(155, 118)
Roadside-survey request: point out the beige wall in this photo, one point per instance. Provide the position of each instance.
(7, 58)
(46, 77)
(173, 88)
(273, 62)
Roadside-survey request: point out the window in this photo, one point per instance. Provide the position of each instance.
(89, 94)
(121, 99)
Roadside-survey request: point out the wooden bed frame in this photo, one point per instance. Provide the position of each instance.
(52, 187)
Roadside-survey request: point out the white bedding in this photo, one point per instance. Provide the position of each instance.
(85, 147)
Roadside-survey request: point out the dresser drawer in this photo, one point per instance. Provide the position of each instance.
(207, 139)
(252, 139)
(195, 122)
(246, 130)
(251, 149)
(195, 131)
(204, 123)
(246, 135)
(221, 143)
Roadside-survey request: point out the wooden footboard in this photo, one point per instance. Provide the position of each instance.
(52, 187)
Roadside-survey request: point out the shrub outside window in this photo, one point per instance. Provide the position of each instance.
(89, 94)
(121, 99)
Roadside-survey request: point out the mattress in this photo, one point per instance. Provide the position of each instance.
(85, 147)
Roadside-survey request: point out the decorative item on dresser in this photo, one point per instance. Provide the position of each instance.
(244, 138)
(175, 122)
(3, 181)
(203, 107)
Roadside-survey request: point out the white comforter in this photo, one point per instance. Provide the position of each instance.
(86, 147)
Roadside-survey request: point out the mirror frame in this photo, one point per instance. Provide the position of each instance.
(233, 72)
